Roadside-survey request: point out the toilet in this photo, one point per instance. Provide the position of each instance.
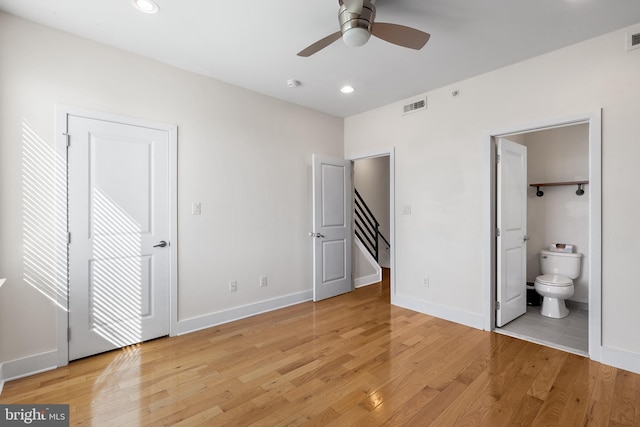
(555, 284)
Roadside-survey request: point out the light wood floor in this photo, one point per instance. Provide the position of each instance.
(350, 360)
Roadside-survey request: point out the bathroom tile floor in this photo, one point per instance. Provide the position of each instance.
(569, 334)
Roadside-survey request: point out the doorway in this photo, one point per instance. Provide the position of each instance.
(374, 179)
(122, 232)
(559, 151)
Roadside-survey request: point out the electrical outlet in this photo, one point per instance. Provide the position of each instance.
(196, 208)
(233, 286)
(263, 281)
(406, 210)
(426, 282)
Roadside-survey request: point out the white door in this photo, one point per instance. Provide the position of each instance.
(119, 214)
(512, 225)
(332, 229)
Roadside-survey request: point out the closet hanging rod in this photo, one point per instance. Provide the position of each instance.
(579, 191)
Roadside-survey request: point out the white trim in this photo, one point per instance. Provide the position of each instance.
(621, 359)
(391, 152)
(594, 120)
(371, 278)
(62, 307)
(209, 320)
(488, 235)
(62, 114)
(1, 378)
(363, 281)
(30, 365)
(447, 313)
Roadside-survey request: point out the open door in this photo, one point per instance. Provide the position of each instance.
(332, 227)
(511, 289)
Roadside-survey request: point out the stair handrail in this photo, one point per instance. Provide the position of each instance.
(367, 227)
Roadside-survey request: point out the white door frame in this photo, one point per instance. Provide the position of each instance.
(392, 210)
(594, 120)
(62, 114)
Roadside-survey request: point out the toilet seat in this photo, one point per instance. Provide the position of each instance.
(556, 280)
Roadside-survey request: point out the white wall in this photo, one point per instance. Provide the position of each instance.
(560, 215)
(440, 172)
(246, 157)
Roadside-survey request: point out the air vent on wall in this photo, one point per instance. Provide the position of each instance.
(633, 39)
(415, 106)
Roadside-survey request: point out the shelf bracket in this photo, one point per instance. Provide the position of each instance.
(579, 191)
(539, 192)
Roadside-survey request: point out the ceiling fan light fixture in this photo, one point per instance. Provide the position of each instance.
(146, 6)
(355, 36)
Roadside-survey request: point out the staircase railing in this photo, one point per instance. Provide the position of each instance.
(368, 227)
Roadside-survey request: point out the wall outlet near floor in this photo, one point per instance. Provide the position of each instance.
(263, 281)
(233, 286)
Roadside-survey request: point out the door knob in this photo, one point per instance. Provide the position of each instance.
(525, 238)
(162, 244)
(319, 236)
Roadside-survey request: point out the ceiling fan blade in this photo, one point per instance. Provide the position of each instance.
(400, 35)
(354, 6)
(320, 44)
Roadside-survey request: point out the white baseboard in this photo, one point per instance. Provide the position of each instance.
(202, 322)
(620, 359)
(30, 365)
(440, 311)
(374, 277)
(368, 280)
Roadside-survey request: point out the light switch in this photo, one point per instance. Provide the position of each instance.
(196, 208)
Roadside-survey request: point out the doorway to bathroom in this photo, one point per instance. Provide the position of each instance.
(556, 209)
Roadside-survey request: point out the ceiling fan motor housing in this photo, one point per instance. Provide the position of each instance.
(356, 28)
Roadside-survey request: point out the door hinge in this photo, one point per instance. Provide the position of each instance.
(497, 158)
(497, 232)
(68, 238)
(497, 305)
(68, 138)
(68, 334)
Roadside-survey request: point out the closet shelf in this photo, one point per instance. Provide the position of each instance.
(579, 191)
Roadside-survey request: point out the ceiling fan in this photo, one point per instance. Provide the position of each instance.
(356, 19)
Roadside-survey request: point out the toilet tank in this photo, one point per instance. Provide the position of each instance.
(560, 263)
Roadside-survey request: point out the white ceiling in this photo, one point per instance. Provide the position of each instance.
(253, 44)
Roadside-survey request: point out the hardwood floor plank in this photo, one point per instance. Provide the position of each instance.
(435, 407)
(551, 365)
(556, 400)
(577, 405)
(602, 397)
(350, 360)
(623, 404)
(526, 412)
(637, 405)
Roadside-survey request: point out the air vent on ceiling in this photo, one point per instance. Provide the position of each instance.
(633, 39)
(415, 106)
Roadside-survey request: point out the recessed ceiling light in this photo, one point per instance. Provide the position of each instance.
(347, 89)
(146, 6)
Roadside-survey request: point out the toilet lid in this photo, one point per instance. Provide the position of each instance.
(554, 280)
